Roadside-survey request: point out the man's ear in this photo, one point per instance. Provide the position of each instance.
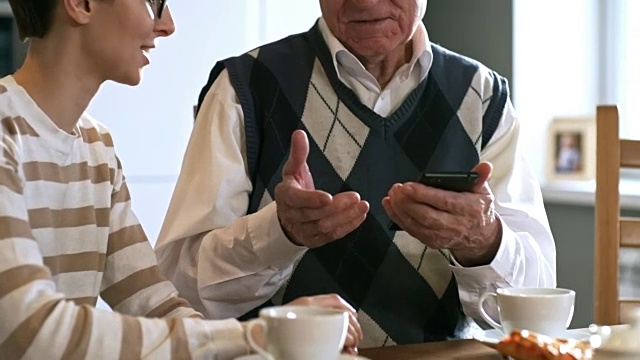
(78, 10)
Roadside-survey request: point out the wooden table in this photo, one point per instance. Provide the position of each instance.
(444, 350)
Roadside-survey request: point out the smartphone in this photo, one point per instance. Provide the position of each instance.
(451, 181)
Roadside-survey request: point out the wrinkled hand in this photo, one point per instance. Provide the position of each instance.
(311, 217)
(354, 334)
(465, 223)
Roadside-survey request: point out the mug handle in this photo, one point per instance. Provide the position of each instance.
(254, 345)
(484, 314)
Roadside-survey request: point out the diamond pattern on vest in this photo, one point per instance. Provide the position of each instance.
(432, 264)
(365, 269)
(336, 131)
(423, 133)
(266, 199)
(375, 335)
(473, 100)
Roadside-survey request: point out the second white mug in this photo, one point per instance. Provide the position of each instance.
(545, 311)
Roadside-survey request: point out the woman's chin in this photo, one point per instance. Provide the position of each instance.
(132, 79)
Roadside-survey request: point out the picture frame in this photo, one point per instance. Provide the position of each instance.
(571, 149)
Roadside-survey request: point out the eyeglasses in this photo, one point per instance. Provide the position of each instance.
(157, 6)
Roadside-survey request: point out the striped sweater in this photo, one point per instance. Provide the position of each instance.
(67, 236)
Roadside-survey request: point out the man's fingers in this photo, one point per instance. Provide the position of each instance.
(297, 154)
(484, 170)
(344, 215)
(349, 220)
(315, 204)
(388, 207)
(329, 215)
(295, 197)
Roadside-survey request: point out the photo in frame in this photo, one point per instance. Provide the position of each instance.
(571, 149)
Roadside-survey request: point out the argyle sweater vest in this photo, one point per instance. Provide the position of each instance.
(404, 292)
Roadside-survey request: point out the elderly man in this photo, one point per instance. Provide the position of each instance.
(304, 151)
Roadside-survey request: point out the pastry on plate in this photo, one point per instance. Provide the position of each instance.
(526, 345)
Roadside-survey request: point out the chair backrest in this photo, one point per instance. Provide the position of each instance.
(612, 232)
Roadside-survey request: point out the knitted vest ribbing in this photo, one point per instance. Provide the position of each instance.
(404, 292)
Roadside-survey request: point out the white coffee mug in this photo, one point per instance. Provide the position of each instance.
(546, 311)
(300, 333)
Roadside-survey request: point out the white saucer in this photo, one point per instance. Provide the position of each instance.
(340, 357)
(494, 336)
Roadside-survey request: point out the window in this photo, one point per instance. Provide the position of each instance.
(629, 76)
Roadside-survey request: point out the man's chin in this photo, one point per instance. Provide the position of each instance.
(371, 48)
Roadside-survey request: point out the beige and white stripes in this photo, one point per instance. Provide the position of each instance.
(67, 236)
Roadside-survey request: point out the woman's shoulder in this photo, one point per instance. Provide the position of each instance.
(92, 131)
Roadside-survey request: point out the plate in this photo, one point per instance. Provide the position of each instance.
(341, 357)
(493, 336)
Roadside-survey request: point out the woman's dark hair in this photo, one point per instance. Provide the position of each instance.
(34, 17)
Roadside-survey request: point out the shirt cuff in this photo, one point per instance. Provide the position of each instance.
(500, 270)
(219, 339)
(269, 241)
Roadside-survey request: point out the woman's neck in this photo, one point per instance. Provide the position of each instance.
(59, 81)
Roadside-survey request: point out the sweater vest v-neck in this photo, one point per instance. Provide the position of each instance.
(404, 292)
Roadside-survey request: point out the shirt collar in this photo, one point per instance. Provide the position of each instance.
(422, 53)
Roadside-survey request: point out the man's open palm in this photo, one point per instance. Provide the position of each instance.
(311, 217)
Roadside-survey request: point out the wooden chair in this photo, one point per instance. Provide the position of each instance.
(612, 232)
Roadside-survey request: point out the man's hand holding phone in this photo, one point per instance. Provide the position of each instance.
(461, 218)
(452, 181)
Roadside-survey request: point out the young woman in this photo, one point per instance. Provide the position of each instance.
(67, 231)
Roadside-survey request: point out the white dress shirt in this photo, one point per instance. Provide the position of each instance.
(226, 262)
